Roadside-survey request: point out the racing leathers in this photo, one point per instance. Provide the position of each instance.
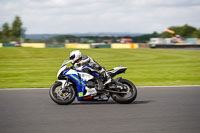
(104, 77)
(86, 60)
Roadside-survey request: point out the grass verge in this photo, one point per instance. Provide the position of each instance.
(37, 68)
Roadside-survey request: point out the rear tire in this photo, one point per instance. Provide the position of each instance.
(59, 97)
(124, 98)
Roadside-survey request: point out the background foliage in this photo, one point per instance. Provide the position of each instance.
(12, 33)
(185, 31)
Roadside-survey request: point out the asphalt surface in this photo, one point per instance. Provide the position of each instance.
(156, 110)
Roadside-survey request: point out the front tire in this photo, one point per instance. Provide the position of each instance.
(128, 97)
(60, 97)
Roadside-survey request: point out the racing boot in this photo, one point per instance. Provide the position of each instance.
(107, 78)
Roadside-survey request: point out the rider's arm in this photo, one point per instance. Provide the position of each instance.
(95, 65)
(87, 60)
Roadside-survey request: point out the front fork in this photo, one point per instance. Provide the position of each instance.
(64, 83)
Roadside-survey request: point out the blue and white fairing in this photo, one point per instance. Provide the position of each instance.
(79, 78)
(75, 78)
(63, 67)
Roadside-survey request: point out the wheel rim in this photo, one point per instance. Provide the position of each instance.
(130, 92)
(59, 95)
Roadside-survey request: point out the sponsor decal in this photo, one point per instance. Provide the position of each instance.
(80, 94)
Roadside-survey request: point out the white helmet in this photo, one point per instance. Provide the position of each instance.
(75, 55)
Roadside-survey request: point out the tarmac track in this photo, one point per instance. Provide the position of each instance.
(156, 110)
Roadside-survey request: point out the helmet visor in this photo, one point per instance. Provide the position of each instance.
(72, 57)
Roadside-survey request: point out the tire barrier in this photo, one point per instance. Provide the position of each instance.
(77, 45)
(8, 45)
(100, 46)
(191, 40)
(34, 45)
(179, 46)
(119, 46)
(74, 45)
(126, 46)
(55, 45)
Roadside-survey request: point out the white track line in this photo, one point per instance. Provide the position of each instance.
(136, 86)
(173, 86)
(24, 89)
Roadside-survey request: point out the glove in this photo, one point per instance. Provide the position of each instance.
(76, 65)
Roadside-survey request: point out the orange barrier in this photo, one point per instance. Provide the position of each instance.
(125, 46)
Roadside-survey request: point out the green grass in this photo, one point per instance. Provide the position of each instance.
(32, 68)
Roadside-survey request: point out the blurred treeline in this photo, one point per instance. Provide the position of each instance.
(99, 39)
(12, 33)
(185, 31)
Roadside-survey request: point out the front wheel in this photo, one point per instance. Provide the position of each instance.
(129, 96)
(61, 97)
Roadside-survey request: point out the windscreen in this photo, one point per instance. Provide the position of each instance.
(65, 62)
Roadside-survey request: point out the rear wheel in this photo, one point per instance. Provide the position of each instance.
(129, 96)
(61, 97)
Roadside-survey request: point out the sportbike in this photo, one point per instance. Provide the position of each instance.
(75, 83)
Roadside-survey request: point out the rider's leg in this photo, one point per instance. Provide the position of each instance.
(105, 76)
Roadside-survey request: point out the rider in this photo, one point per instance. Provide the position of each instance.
(78, 60)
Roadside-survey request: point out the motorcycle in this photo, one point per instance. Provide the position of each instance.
(73, 83)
